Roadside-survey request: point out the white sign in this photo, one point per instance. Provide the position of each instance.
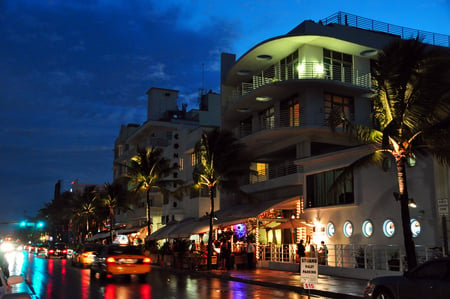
(309, 272)
(443, 207)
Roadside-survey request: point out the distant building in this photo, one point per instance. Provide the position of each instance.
(176, 132)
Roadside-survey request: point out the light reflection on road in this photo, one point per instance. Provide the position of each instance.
(57, 279)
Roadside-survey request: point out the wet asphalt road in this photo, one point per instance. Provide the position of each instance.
(58, 279)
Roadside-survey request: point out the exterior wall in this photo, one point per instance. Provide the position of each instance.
(160, 101)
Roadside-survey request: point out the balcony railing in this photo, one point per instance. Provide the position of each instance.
(347, 19)
(305, 70)
(274, 171)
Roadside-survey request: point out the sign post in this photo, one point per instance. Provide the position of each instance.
(309, 271)
(443, 212)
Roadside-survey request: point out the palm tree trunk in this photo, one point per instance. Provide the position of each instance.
(406, 218)
(148, 213)
(211, 218)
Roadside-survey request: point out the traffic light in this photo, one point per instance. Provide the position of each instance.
(23, 224)
(40, 224)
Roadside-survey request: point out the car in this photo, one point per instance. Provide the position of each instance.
(428, 280)
(85, 254)
(116, 260)
(56, 250)
(40, 248)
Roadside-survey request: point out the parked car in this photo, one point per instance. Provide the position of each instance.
(85, 254)
(56, 250)
(428, 280)
(115, 260)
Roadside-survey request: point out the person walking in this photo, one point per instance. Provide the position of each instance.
(323, 253)
(300, 250)
(250, 254)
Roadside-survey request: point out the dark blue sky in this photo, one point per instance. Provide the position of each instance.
(71, 72)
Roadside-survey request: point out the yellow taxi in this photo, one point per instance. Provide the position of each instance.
(84, 256)
(116, 259)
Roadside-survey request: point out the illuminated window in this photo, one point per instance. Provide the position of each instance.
(330, 229)
(194, 160)
(415, 227)
(389, 228)
(367, 228)
(348, 229)
(290, 113)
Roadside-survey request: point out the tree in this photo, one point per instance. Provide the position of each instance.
(85, 210)
(113, 197)
(411, 81)
(148, 171)
(221, 161)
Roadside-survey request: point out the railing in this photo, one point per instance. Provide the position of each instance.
(347, 19)
(274, 171)
(305, 70)
(375, 257)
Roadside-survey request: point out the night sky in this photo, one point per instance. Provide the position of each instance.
(72, 72)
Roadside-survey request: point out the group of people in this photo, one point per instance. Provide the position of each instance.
(322, 252)
(225, 259)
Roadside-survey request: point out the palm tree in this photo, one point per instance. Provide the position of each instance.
(221, 162)
(85, 208)
(412, 112)
(113, 197)
(148, 171)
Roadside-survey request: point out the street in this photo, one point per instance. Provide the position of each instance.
(57, 278)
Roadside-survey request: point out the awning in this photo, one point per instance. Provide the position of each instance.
(241, 213)
(163, 232)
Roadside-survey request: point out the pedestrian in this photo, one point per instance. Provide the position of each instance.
(250, 254)
(323, 253)
(300, 250)
(223, 255)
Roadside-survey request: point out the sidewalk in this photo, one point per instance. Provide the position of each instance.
(327, 286)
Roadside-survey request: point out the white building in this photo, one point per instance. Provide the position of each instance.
(276, 98)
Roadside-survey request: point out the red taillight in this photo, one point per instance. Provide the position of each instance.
(64, 251)
(85, 255)
(147, 260)
(51, 251)
(110, 260)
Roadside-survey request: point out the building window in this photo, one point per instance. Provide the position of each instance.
(288, 67)
(330, 229)
(290, 113)
(267, 119)
(181, 163)
(320, 194)
(345, 104)
(388, 228)
(194, 160)
(337, 66)
(348, 229)
(415, 227)
(367, 228)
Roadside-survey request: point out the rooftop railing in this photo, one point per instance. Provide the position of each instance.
(347, 19)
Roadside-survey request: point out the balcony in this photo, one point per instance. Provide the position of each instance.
(301, 71)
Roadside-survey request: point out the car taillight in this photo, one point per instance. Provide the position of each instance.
(51, 251)
(64, 251)
(85, 255)
(147, 260)
(110, 260)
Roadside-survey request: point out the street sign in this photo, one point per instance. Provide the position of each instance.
(443, 207)
(309, 272)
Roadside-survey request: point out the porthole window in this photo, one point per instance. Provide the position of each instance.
(415, 227)
(367, 228)
(348, 229)
(330, 229)
(389, 228)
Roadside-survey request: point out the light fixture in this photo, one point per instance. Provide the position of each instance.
(263, 99)
(243, 72)
(370, 52)
(264, 57)
(412, 203)
(242, 110)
